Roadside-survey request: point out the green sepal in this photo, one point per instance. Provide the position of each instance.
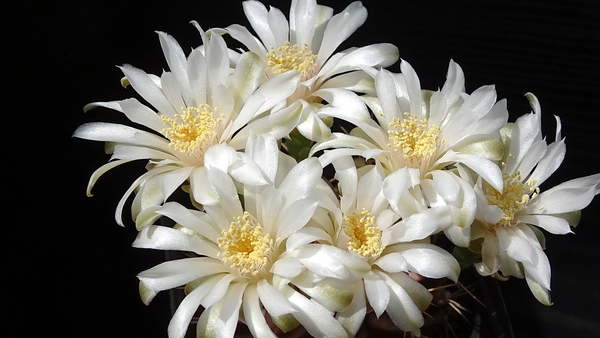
(465, 257)
(297, 145)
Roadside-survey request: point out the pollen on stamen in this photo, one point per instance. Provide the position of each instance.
(288, 57)
(415, 139)
(246, 247)
(514, 198)
(194, 129)
(363, 233)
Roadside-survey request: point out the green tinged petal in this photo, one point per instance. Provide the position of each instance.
(286, 323)
(491, 149)
(572, 217)
(247, 75)
(146, 294)
(333, 294)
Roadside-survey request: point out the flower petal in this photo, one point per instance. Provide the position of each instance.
(430, 261)
(175, 273)
(187, 308)
(253, 314)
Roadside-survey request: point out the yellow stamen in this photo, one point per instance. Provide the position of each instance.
(194, 129)
(364, 234)
(513, 199)
(288, 57)
(414, 138)
(246, 246)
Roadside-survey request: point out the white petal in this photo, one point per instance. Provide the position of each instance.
(218, 292)
(430, 261)
(555, 153)
(489, 254)
(314, 318)
(302, 179)
(306, 236)
(220, 156)
(329, 261)
(525, 131)
(416, 226)
(401, 308)
(273, 300)
(187, 308)
(133, 152)
(164, 238)
(302, 22)
(312, 127)
(347, 176)
(201, 189)
(146, 176)
(172, 180)
(175, 273)
(392, 262)
(489, 171)
(455, 79)
(348, 106)
(363, 58)
(257, 16)
(340, 27)
(253, 314)
(278, 88)
(177, 62)
(101, 171)
(516, 247)
(288, 267)
(243, 35)
(278, 124)
(296, 216)
(141, 82)
(541, 293)
(247, 75)
(579, 192)
(552, 224)
(413, 88)
(185, 217)
(118, 133)
(228, 318)
(197, 74)
(377, 293)
(352, 317)
(371, 189)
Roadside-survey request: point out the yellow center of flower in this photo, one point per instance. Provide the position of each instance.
(194, 129)
(415, 139)
(364, 234)
(246, 246)
(288, 57)
(513, 199)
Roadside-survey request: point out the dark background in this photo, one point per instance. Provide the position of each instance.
(71, 270)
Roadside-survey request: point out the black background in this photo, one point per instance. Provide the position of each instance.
(71, 270)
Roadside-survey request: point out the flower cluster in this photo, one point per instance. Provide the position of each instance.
(317, 178)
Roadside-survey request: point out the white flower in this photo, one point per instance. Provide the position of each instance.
(365, 227)
(201, 102)
(439, 134)
(238, 241)
(307, 43)
(506, 233)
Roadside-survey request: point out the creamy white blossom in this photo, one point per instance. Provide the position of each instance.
(429, 140)
(238, 242)
(506, 232)
(365, 227)
(306, 41)
(201, 102)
